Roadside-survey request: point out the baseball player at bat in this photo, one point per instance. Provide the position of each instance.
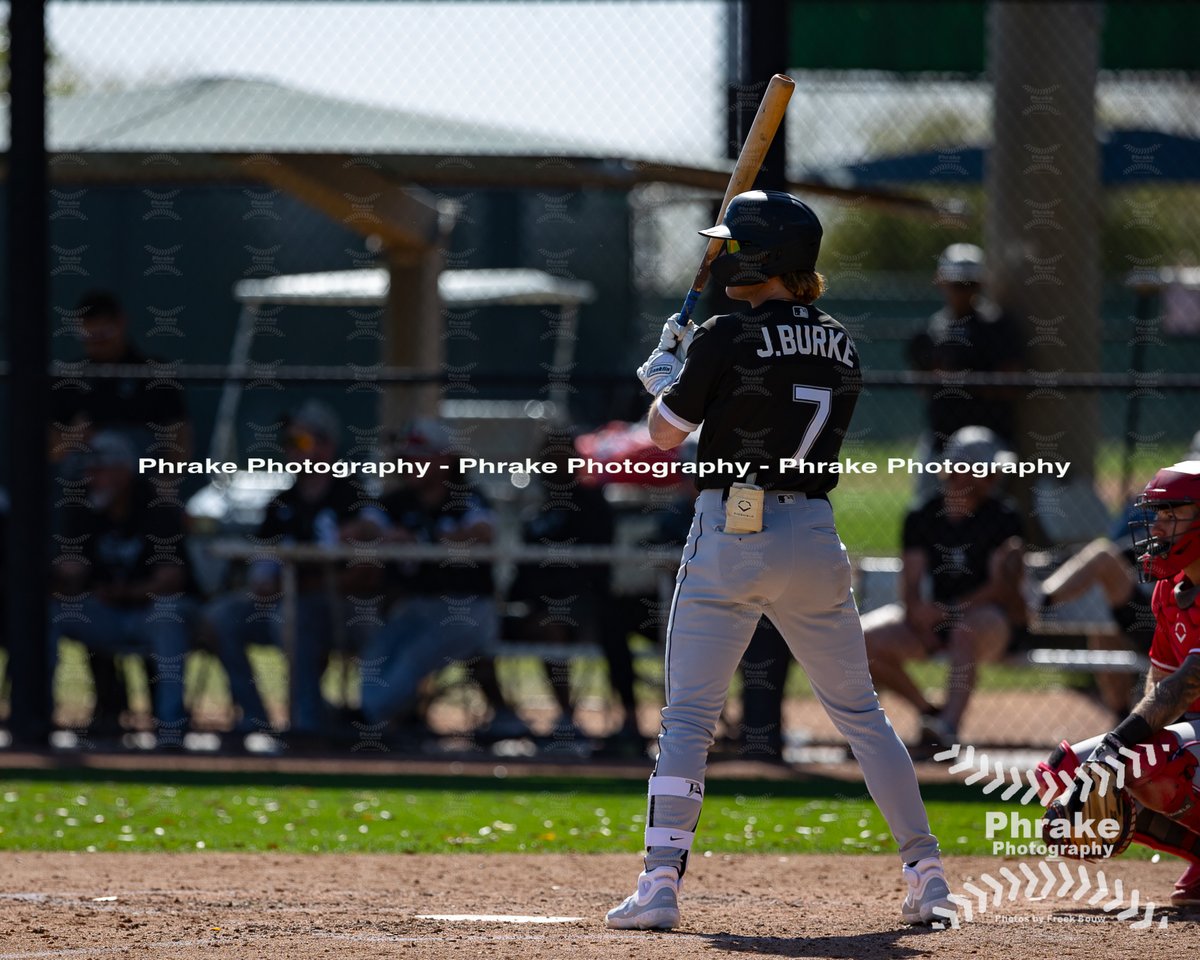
(784, 370)
(1144, 775)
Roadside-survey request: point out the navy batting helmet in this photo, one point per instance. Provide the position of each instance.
(767, 233)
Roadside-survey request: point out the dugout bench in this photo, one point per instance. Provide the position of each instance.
(503, 552)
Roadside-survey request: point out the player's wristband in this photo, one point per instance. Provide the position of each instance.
(1133, 730)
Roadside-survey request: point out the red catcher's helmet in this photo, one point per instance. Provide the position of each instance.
(1162, 557)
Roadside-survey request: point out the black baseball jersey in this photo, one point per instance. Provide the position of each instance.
(121, 403)
(775, 382)
(126, 550)
(984, 340)
(957, 550)
(464, 506)
(570, 513)
(291, 518)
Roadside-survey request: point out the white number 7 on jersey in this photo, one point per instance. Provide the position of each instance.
(822, 397)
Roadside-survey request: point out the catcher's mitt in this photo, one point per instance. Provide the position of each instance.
(1093, 820)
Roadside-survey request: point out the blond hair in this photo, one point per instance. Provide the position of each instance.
(805, 285)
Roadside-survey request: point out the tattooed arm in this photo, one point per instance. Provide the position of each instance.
(1169, 694)
(1153, 678)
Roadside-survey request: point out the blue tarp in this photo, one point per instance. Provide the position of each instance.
(1126, 157)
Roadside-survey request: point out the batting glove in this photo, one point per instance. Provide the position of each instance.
(660, 370)
(676, 336)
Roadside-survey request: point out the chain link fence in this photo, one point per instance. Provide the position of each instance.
(482, 212)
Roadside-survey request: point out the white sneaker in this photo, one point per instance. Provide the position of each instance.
(927, 889)
(653, 906)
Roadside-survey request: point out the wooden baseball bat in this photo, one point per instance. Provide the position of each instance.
(762, 132)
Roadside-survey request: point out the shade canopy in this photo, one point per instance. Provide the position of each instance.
(459, 288)
(1126, 157)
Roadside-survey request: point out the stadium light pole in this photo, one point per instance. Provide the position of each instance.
(28, 386)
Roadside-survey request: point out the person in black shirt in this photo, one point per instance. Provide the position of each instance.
(969, 334)
(784, 371)
(444, 611)
(565, 599)
(123, 579)
(318, 508)
(967, 543)
(151, 412)
(785, 368)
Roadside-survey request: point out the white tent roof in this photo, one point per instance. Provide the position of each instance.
(460, 288)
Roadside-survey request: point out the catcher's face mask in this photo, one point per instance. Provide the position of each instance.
(1166, 536)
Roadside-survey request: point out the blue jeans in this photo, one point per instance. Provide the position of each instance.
(159, 631)
(421, 636)
(239, 619)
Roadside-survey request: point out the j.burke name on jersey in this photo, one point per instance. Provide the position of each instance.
(806, 339)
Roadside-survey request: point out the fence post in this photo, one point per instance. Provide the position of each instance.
(1043, 212)
(27, 584)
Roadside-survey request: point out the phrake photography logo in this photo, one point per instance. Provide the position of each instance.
(1024, 787)
(1080, 838)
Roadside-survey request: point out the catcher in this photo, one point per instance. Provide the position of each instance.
(1143, 774)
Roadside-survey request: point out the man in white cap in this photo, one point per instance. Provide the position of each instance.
(968, 335)
(966, 542)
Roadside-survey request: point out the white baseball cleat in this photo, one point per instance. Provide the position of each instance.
(653, 906)
(927, 890)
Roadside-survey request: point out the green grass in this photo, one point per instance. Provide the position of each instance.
(444, 815)
(870, 508)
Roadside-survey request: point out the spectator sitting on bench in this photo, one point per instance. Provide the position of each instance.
(566, 601)
(318, 508)
(967, 541)
(444, 611)
(122, 579)
(150, 413)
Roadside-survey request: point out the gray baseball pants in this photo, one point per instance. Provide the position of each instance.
(797, 573)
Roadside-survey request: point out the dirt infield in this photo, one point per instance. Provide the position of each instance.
(252, 906)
